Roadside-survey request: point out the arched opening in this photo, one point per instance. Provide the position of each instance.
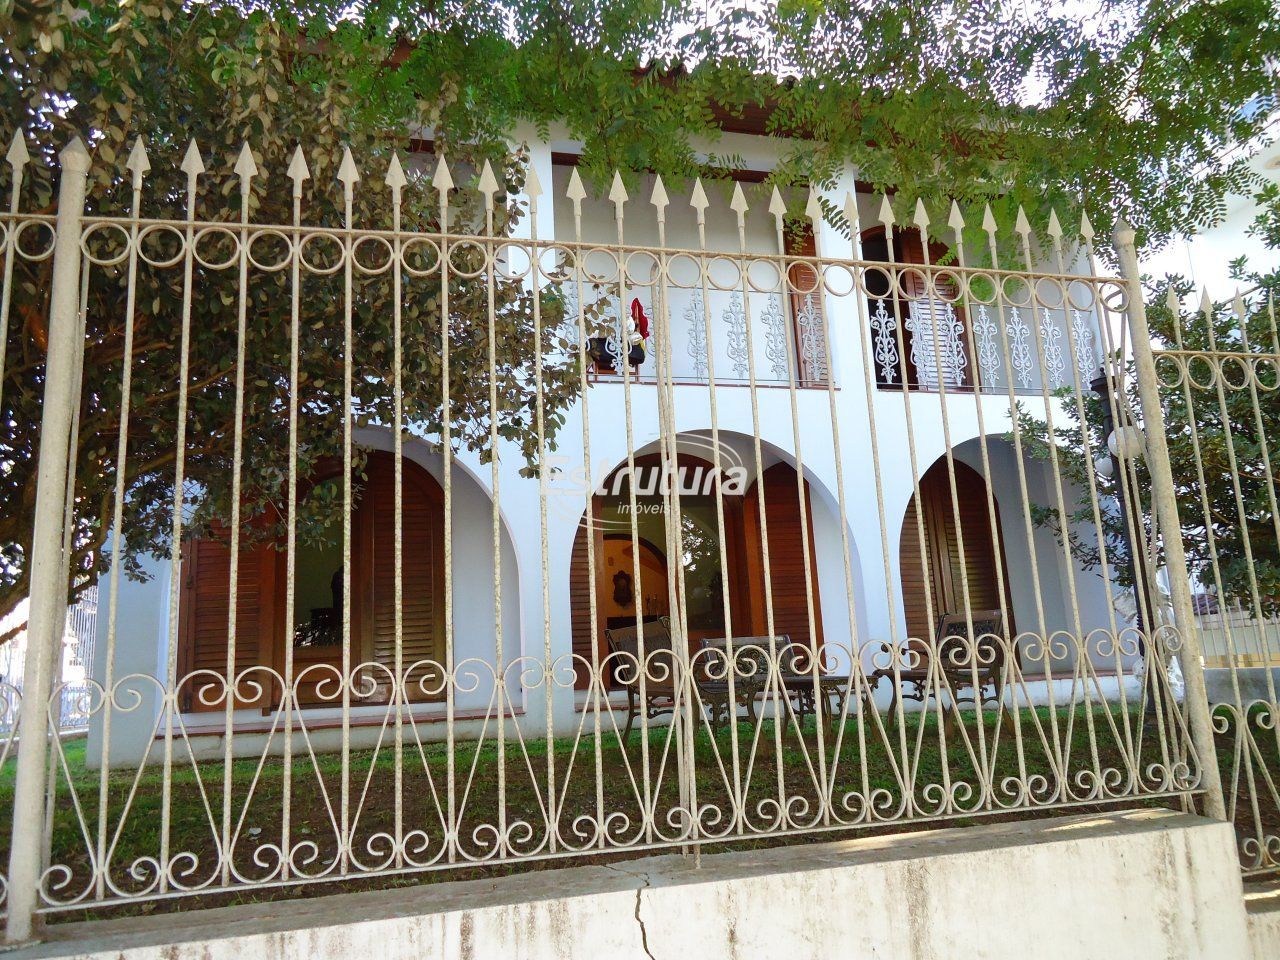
(934, 345)
(712, 561)
(627, 589)
(938, 575)
(319, 617)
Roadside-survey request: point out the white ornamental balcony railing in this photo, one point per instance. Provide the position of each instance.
(780, 341)
(927, 344)
(777, 336)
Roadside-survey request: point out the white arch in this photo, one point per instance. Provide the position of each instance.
(828, 548)
(473, 574)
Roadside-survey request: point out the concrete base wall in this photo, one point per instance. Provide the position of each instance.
(1253, 683)
(1263, 908)
(1139, 885)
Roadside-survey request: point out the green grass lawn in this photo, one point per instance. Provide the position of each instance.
(585, 786)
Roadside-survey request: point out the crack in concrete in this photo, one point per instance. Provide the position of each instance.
(644, 933)
(644, 885)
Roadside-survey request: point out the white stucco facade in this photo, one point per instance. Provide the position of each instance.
(887, 439)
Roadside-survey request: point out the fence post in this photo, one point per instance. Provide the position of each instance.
(48, 588)
(1166, 504)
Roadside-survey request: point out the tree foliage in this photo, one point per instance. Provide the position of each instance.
(1222, 421)
(1129, 110)
(209, 73)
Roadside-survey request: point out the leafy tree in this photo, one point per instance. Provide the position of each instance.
(1212, 418)
(979, 102)
(208, 72)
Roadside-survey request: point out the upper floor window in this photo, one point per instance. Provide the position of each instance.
(807, 312)
(919, 328)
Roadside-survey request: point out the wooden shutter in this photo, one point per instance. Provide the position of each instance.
(918, 579)
(422, 571)
(799, 242)
(581, 583)
(907, 250)
(205, 609)
(786, 558)
(942, 574)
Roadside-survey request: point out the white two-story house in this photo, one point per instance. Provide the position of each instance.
(841, 435)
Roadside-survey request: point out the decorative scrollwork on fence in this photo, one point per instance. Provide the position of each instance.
(449, 810)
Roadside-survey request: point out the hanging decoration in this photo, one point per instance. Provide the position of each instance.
(627, 335)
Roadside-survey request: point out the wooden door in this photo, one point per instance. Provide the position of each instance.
(204, 618)
(422, 576)
(939, 573)
(786, 558)
(582, 583)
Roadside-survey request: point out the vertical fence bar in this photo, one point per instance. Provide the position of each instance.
(1166, 506)
(48, 584)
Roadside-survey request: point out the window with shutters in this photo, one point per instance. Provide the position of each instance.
(789, 583)
(935, 577)
(330, 610)
(919, 331)
(806, 308)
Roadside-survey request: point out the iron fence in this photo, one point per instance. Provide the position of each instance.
(470, 539)
(1217, 373)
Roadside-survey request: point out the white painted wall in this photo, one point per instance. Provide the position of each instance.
(871, 470)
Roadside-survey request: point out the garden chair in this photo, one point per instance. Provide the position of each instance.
(661, 671)
(956, 664)
(752, 659)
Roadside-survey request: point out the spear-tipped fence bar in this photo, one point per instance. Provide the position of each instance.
(495, 534)
(1218, 367)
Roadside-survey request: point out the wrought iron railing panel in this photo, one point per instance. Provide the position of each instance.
(808, 606)
(1218, 377)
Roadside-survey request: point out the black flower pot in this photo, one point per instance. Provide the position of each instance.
(598, 351)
